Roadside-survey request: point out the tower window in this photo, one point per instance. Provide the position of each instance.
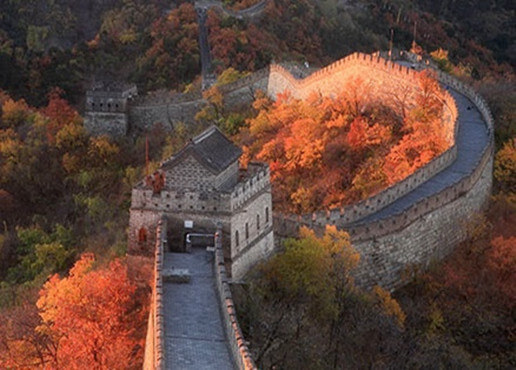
(266, 214)
(236, 238)
(246, 231)
(258, 222)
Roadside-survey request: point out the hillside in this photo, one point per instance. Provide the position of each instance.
(61, 43)
(65, 196)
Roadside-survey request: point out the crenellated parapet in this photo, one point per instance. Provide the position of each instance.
(190, 201)
(392, 229)
(239, 349)
(422, 217)
(154, 357)
(378, 74)
(257, 181)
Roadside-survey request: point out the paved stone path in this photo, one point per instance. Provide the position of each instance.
(194, 335)
(206, 63)
(472, 138)
(194, 332)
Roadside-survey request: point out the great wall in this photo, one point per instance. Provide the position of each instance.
(397, 232)
(421, 218)
(412, 223)
(181, 321)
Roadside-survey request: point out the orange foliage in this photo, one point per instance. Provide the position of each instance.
(389, 305)
(14, 113)
(59, 112)
(286, 27)
(326, 151)
(20, 346)
(425, 136)
(234, 47)
(505, 167)
(501, 260)
(90, 316)
(483, 271)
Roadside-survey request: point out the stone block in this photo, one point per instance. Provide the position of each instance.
(177, 276)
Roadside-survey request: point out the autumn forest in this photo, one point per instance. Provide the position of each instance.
(70, 297)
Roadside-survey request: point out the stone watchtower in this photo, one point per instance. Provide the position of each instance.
(106, 108)
(199, 188)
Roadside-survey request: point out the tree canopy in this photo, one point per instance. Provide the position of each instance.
(328, 151)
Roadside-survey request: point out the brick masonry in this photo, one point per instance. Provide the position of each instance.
(240, 201)
(390, 245)
(431, 226)
(381, 77)
(154, 354)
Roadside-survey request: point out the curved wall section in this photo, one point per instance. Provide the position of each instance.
(381, 80)
(395, 248)
(424, 216)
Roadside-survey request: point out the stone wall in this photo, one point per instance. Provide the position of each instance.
(138, 219)
(98, 102)
(428, 230)
(242, 91)
(251, 204)
(250, 199)
(145, 116)
(257, 242)
(252, 196)
(239, 350)
(145, 112)
(105, 123)
(259, 250)
(180, 201)
(203, 208)
(188, 172)
(379, 79)
(388, 257)
(154, 355)
(254, 184)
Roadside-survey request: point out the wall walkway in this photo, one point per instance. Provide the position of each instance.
(472, 142)
(405, 229)
(154, 356)
(194, 326)
(194, 332)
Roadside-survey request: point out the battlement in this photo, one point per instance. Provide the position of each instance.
(154, 357)
(110, 97)
(429, 226)
(187, 201)
(329, 80)
(238, 346)
(257, 179)
(371, 232)
(376, 229)
(106, 107)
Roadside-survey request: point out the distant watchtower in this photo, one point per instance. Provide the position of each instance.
(106, 108)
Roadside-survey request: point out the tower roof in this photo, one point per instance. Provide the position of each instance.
(211, 148)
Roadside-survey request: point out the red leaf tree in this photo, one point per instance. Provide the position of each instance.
(90, 315)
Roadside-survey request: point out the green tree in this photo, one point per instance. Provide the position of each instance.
(304, 310)
(505, 167)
